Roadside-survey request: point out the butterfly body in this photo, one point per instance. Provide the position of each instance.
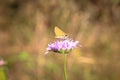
(59, 34)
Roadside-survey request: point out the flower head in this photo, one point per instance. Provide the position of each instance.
(62, 46)
(2, 62)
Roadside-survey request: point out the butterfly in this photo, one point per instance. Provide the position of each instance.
(60, 34)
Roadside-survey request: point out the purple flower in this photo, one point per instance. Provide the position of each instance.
(62, 46)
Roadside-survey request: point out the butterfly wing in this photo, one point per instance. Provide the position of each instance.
(59, 33)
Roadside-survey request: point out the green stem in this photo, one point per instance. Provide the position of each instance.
(65, 65)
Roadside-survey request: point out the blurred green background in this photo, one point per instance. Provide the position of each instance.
(27, 26)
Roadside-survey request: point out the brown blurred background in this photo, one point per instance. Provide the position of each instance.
(27, 26)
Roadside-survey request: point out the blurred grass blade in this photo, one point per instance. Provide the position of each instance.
(3, 75)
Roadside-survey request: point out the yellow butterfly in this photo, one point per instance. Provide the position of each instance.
(60, 34)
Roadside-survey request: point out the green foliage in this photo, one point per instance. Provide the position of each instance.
(3, 74)
(23, 56)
